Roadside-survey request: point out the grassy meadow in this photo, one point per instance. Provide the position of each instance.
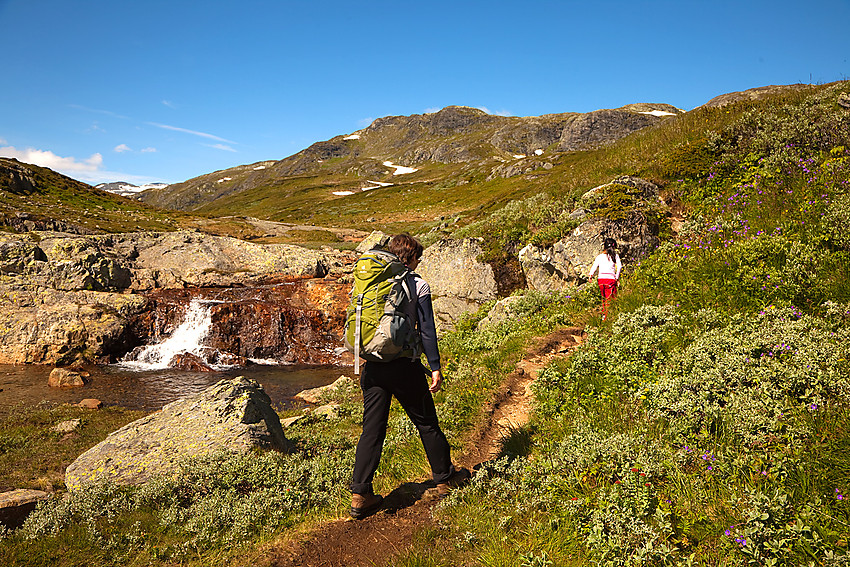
(706, 421)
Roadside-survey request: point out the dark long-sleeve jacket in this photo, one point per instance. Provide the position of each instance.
(425, 318)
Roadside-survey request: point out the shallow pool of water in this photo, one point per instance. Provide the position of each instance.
(150, 390)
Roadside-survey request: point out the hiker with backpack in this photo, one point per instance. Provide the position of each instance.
(609, 266)
(390, 323)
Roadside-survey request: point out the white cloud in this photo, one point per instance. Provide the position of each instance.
(3, 142)
(121, 148)
(99, 111)
(432, 110)
(89, 170)
(192, 132)
(148, 150)
(169, 104)
(46, 158)
(496, 113)
(365, 121)
(224, 147)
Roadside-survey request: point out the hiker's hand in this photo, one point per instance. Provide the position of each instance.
(436, 381)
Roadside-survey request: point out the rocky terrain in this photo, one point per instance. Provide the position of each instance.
(79, 299)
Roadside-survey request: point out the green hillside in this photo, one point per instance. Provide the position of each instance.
(705, 421)
(453, 150)
(45, 196)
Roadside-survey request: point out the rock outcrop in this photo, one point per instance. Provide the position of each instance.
(66, 297)
(565, 264)
(47, 326)
(459, 282)
(142, 261)
(232, 415)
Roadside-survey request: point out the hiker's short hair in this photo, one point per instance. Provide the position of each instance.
(405, 247)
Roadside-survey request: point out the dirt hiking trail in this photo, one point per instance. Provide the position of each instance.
(376, 540)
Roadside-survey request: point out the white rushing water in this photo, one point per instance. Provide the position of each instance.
(188, 337)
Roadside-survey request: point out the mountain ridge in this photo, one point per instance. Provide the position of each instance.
(453, 135)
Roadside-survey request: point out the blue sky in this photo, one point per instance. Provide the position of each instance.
(163, 91)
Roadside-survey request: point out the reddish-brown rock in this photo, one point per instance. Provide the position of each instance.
(90, 403)
(190, 362)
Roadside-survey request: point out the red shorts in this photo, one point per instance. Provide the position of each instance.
(608, 288)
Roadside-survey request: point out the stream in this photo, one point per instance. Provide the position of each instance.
(151, 389)
(144, 379)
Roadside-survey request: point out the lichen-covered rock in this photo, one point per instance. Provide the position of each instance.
(459, 282)
(376, 238)
(17, 255)
(234, 414)
(67, 426)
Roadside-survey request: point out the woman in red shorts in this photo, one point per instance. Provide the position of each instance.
(609, 266)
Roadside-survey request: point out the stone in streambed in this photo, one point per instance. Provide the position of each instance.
(64, 378)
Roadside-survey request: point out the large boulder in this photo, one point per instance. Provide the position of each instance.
(459, 281)
(234, 415)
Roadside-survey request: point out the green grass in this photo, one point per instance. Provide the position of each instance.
(33, 455)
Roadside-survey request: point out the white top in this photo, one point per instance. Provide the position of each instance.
(608, 270)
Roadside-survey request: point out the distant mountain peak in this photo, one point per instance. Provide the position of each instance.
(128, 189)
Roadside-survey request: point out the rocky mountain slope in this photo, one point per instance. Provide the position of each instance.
(424, 143)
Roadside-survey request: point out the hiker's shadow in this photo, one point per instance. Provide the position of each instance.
(407, 495)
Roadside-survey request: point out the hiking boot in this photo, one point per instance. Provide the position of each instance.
(459, 478)
(363, 505)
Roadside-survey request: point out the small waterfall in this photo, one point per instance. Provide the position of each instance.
(187, 338)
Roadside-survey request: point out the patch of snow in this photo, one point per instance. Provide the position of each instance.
(128, 189)
(659, 113)
(519, 156)
(375, 185)
(400, 169)
(259, 167)
(224, 179)
(538, 152)
(343, 193)
(352, 137)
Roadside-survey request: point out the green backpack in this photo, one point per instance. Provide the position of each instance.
(377, 326)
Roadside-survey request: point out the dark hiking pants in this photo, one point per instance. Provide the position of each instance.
(407, 380)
